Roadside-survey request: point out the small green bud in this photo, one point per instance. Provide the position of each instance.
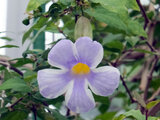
(83, 28)
(26, 21)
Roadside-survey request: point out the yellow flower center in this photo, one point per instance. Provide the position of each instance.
(80, 69)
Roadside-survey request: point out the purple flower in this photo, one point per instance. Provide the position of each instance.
(77, 62)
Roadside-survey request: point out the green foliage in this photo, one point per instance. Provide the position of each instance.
(34, 4)
(106, 116)
(115, 20)
(139, 99)
(152, 104)
(6, 38)
(136, 114)
(15, 84)
(9, 46)
(15, 115)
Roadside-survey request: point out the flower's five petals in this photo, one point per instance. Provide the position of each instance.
(90, 52)
(79, 98)
(78, 73)
(104, 80)
(62, 55)
(53, 83)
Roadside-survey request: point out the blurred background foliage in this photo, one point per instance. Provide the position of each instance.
(129, 33)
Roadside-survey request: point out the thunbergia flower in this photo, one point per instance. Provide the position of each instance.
(77, 74)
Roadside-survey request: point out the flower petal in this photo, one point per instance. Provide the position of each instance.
(62, 55)
(89, 52)
(79, 98)
(104, 80)
(53, 83)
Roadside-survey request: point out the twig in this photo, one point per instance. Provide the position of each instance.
(146, 111)
(124, 84)
(34, 112)
(61, 31)
(150, 46)
(128, 91)
(81, 5)
(68, 112)
(68, 10)
(154, 95)
(12, 68)
(20, 99)
(76, 18)
(150, 77)
(143, 13)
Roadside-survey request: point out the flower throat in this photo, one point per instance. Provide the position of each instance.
(80, 69)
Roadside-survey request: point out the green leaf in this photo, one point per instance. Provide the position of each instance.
(101, 99)
(36, 35)
(111, 37)
(113, 5)
(9, 74)
(27, 34)
(21, 61)
(57, 115)
(30, 76)
(138, 115)
(104, 107)
(9, 46)
(121, 117)
(16, 84)
(152, 104)
(15, 115)
(52, 28)
(34, 4)
(135, 114)
(132, 40)
(66, 2)
(38, 25)
(26, 21)
(44, 115)
(117, 5)
(117, 45)
(132, 4)
(139, 99)
(6, 38)
(3, 110)
(106, 116)
(121, 22)
(135, 28)
(108, 17)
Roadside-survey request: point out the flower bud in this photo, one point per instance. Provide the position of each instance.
(83, 28)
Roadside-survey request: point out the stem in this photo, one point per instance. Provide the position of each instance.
(128, 91)
(20, 99)
(34, 112)
(68, 112)
(61, 32)
(143, 13)
(82, 8)
(146, 114)
(12, 68)
(150, 76)
(150, 46)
